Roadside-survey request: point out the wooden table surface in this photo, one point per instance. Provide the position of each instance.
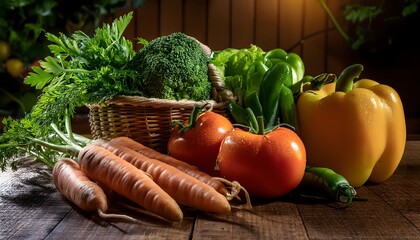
(31, 208)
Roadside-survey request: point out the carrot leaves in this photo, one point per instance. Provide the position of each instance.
(81, 69)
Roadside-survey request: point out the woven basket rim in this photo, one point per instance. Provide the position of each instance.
(156, 102)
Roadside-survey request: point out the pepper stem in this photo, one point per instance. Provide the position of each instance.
(318, 82)
(347, 76)
(346, 194)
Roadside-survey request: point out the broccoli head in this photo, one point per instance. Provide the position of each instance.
(173, 67)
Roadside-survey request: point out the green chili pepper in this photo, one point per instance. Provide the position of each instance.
(325, 182)
(252, 101)
(287, 107)
(293, 59)
(254, 125)
(278, 75)
(238, 113)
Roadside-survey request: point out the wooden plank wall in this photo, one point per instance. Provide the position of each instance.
(300, 26)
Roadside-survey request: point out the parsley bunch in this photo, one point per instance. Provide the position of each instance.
(81, 70)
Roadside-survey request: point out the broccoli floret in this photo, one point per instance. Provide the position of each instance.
(173, 67)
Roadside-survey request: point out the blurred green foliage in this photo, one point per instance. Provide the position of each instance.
(378, 26)
(23, 24)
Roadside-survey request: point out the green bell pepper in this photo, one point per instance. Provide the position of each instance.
(292, 59)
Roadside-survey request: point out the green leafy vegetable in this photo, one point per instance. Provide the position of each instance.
(233, 65)
(239, 62)
(82, 70)
(24, 139)
(220, 58)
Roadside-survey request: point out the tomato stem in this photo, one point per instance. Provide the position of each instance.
(260, 120)
(256, 124)
(192, 120)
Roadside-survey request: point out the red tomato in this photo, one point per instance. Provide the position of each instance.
(269, 165)
(200, 144)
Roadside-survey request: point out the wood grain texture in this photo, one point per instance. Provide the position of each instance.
(266, 24)
(148, 22)
(243, 23)
(30, 208)
(291, 28)
(195, 19)
(314, 35)
(265, 221)
(219, 24)
(171, 16)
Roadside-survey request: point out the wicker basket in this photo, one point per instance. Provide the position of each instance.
(146, 120)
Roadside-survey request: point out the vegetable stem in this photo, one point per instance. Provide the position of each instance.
(67, 122)
(40, 157)
(192, 120)
(334, 21)
(65, 138)
(260, 120)
(71, 150)
(347, 76)
(81, 139)
(76, 70)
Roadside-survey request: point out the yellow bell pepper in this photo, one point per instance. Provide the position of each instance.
(358, 130)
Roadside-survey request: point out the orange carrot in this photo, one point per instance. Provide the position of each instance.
(101, 165)
(74, 185)
(183, 166)
(184, 188)
(77, 187)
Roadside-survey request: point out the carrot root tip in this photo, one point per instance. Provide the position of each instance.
(144, 212)
(236, 188)
(118, 216)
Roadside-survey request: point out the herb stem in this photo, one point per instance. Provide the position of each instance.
(67, 122)
(39, 157)
(81, 139)
(76, 70)
(76, 147)
(334, 21)
(67, 149)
